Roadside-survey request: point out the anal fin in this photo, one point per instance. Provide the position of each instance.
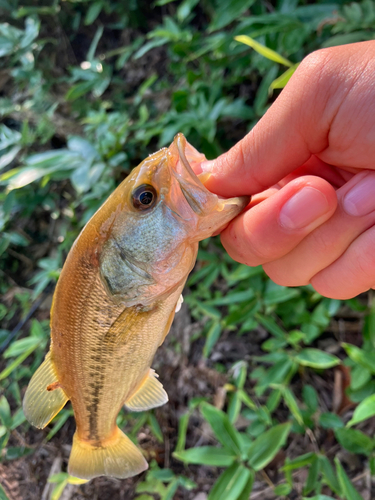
(150, 394)
(44, 398)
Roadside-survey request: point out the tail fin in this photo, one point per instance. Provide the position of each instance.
(118, 457)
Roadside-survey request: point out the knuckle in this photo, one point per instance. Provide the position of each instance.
(325, 248)
(283, 276)
(316, 61)
(261, 251)
(365, 257)
(237, 242)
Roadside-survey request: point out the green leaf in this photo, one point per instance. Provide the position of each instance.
(318, 497)
(94, 43)
(209, 311)
(282, 490)
(278, 374)
(58, 490)
(312, 478)
(226, 12)
(5, 415)
(231, 483)
(222, 427)
(155, 427)
(369, 325)
(76, 480)
(185, 8)
(182, 430)
(262, 50)
(58, 478)
(232, 298)
(301, 461)
(212, 337)
(15, 452)
(266, 446)
(18, 418)
(360, 356)
(93, 12)
(206, 455)
(271, 326)
(165, 475)
(277, 294)
(156, 42)
(245, 398)
(315, 358)
(79, 90)
(364, 410)
(357, 36)
(171, 490)
(234, 406)
(20, 346)
(282, 80)
(58, 422)
(186, 483)
(310, 398)
(245, 495)
(9, 156)
(329, 476)
(292, 404)
(347, 487)
(359, 377)
(242, 272)
(199, 275)
(3, 495)
(12, 366)
(330, 421)
(355, 441)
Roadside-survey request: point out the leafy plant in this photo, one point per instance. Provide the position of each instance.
(89, 89)
(155, 483)
(62, 479)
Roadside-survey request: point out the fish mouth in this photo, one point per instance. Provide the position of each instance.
(180, 143)
(200, 199)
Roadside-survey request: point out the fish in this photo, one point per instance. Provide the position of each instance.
(114, 304)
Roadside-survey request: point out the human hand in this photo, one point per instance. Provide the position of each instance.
(312, 159)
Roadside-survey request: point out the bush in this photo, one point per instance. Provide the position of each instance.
(89, 89)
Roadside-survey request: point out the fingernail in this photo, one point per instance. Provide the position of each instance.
(303, 208)
(360, 200)
(204, 176)
(207, 166)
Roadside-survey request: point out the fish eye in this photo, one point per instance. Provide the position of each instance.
(144, 197)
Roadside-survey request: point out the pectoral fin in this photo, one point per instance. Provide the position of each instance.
(150, 394)
(44, 397)
(179, 303)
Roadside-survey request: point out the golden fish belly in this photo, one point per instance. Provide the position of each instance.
(102, 351)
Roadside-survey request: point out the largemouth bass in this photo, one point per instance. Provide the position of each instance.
(114, 304)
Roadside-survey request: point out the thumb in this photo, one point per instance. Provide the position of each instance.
(295, 127)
